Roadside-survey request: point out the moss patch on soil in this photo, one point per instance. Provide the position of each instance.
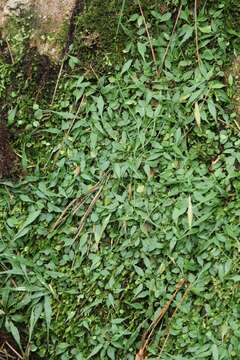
(234, 73)
(16, 33)
(102, 32)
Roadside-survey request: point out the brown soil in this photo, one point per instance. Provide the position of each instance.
(8, 159)
(9, 349)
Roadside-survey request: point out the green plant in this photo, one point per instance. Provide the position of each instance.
(132, 184)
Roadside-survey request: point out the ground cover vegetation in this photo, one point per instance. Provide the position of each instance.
(119, 220)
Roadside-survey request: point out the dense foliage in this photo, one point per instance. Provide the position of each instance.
(131, 183)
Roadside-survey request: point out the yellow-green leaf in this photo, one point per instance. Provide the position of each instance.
(197, 115)
(190, 212)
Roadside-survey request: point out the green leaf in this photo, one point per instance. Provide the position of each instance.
(15, 334)
(117, 170)
(180, 208)
(31, 218)
(73, 61)
(48, 313)
(99, 234)
(196, 95)
(187, 31)
(25, 198)
(205, 29)
(35, 315)
(236, 278)
(100, 105)
(216, 85)
(95, 351)
(11, 116)
(142, 49)
(138, 289)
(212, 108)
(215, 352)
(65, 115)
(165, 17)
(126, 66)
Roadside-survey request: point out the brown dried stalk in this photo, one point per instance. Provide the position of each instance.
(142, 353)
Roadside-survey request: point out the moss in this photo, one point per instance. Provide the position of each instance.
(30, 80)
(45, 41)
(28, 29)
(99, 34)
(17, 33)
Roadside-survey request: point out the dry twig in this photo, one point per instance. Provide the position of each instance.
(75, 116)
(88, 212)
(13, 350)
(149, 37)
(141, 355)
(75, 204)
(171, 37)
(62, 216)
(58, 79)
(171, 318)
(10, 51)
(196, 30)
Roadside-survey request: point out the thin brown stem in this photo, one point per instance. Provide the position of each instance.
(10, 51)
(171, 318)
(13, 350)
(62, 216)
(141, 355)
(58, 80)
(88, 212)
(75, 204)
(149, 37)
(170, 40)
(94, 72)
(75, 117)
(196, 30)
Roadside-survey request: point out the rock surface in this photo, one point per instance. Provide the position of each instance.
(47, 22)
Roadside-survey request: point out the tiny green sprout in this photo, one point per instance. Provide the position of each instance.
(230, 80)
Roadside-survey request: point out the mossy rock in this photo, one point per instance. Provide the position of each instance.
(41, 24)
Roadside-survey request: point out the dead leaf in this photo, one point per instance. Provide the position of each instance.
(77, 171)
